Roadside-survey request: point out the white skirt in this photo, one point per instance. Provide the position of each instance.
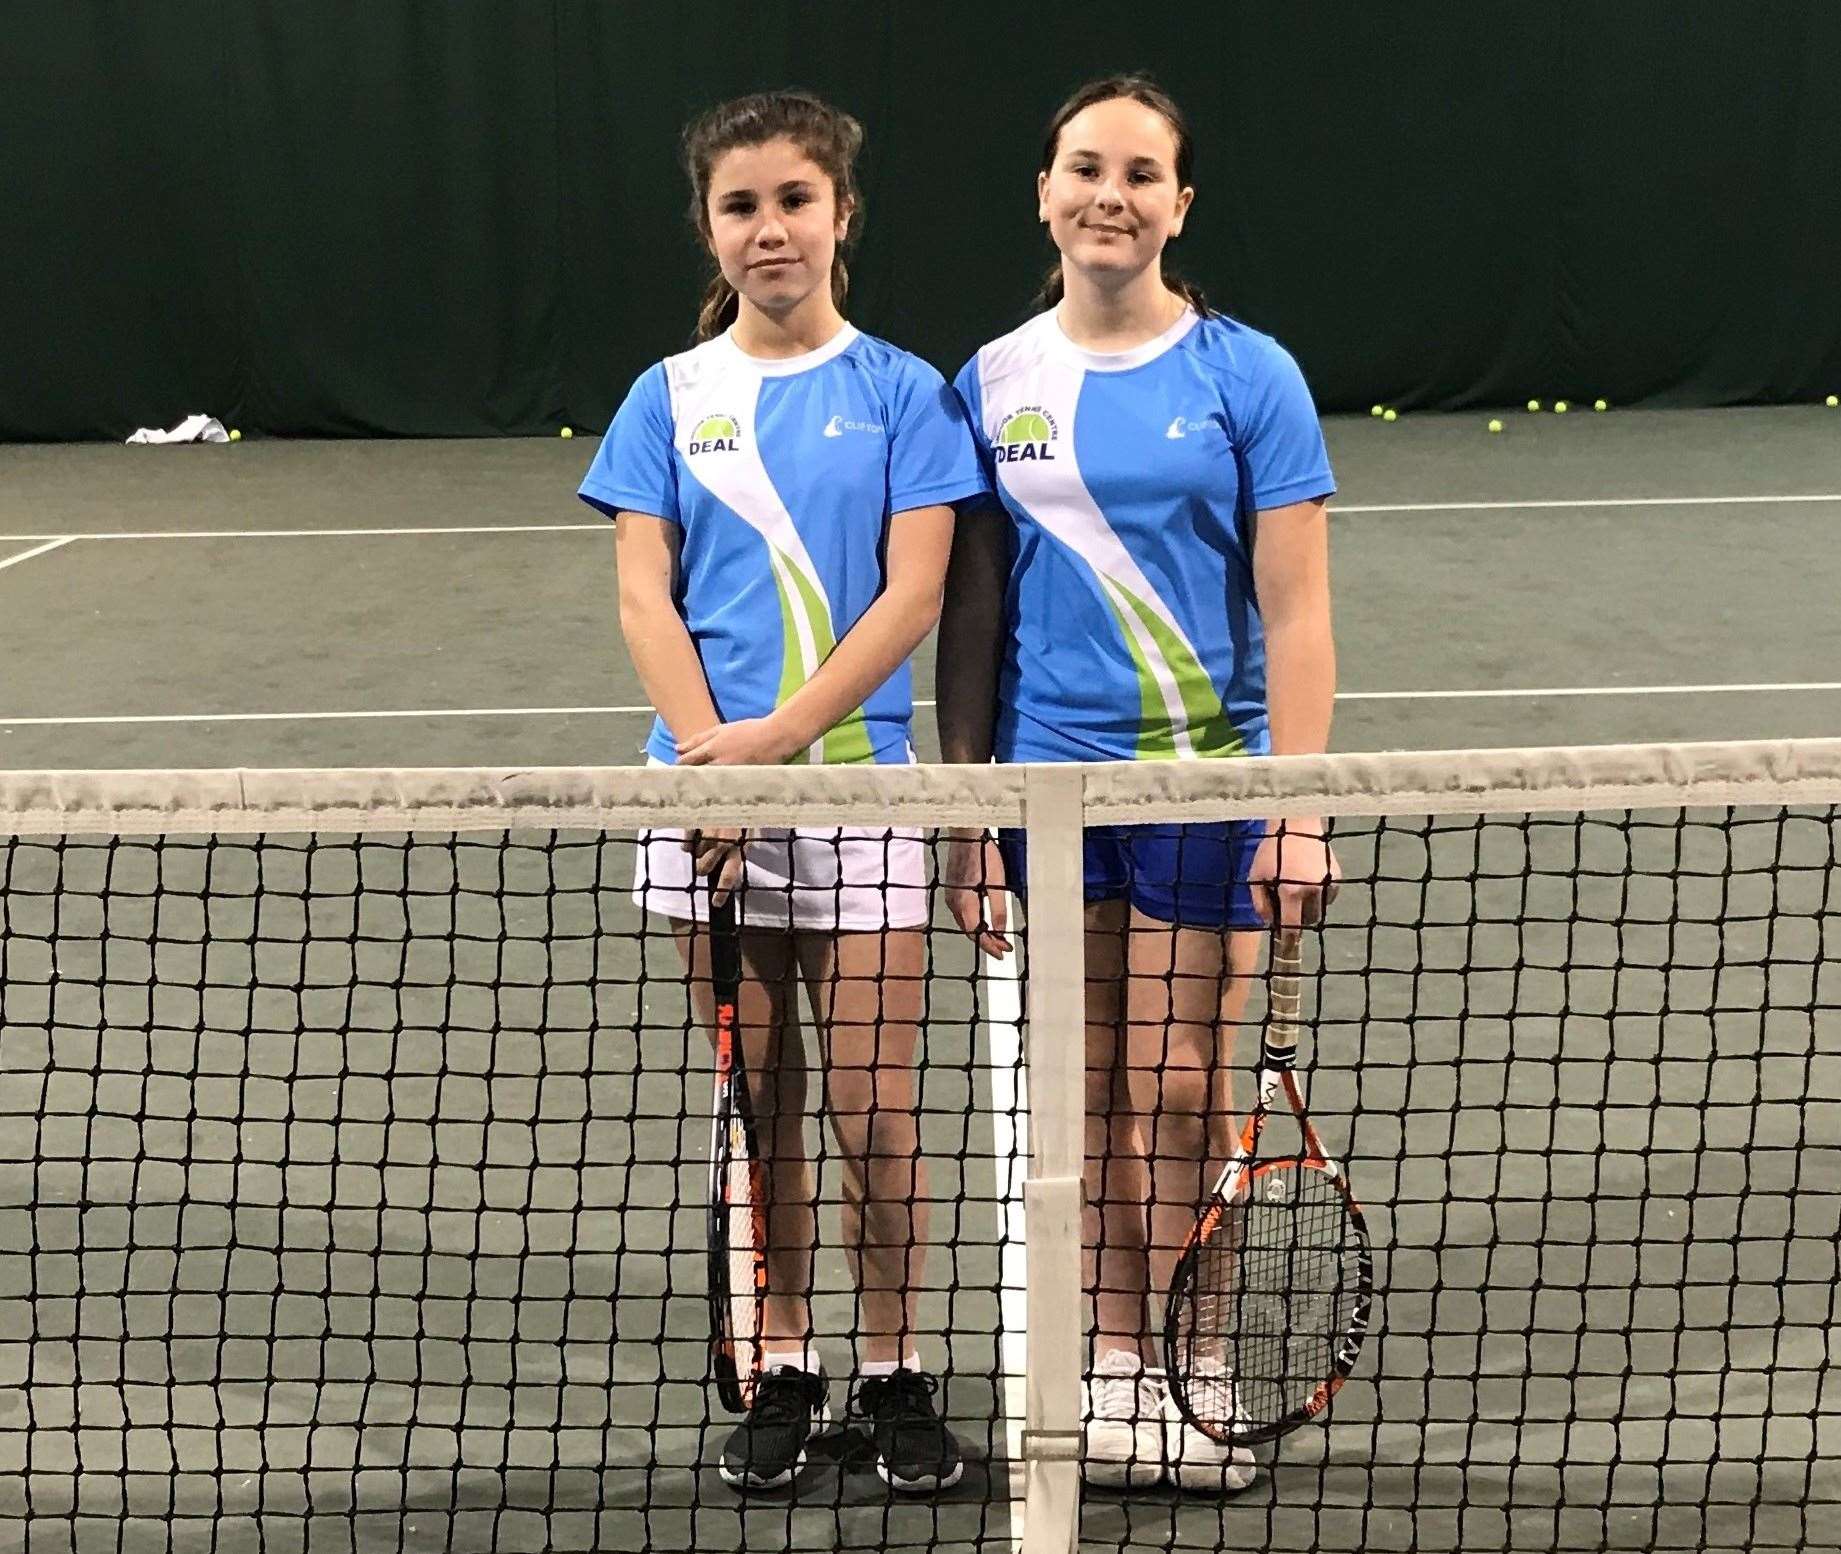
(848, 879)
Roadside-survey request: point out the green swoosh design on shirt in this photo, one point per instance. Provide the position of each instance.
(1211, 731)
(848, 740)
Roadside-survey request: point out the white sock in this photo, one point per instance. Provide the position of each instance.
(804, 1358)
(871, 1368)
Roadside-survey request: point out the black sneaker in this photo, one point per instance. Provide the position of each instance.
(767, 1449)
(915, 1452)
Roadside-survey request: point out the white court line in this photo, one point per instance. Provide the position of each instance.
(1511, 694)
(1003, 1012)
(323, 717)
(1587, 501)
(608, 528)
(27, 555)
(315, 534)
(1594, 690)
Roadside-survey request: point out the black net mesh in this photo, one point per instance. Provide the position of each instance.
(1584, 1071)
(352, 1196)
(1268, 1300)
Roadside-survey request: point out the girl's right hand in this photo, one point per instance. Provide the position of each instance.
(974, 885)
(716, 855)
(1294, 875)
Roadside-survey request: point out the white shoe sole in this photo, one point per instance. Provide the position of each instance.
(1207, 1474)
(921, 1486)
(1117, 1473)
(744, 1480)
(1121, 1475)
(1227, 1479)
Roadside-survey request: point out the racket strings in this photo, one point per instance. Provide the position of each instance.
(1271, 1300)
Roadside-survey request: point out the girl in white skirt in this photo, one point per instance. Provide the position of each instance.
(784, 499)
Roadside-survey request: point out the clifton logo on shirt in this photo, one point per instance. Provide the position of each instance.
(715, 434)
(1025, 434)
(837, 426)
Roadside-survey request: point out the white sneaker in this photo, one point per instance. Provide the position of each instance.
(1123, 1427)
(1196, 1461)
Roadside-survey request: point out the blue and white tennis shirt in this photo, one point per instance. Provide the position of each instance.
(1130, 479)
(783, 476)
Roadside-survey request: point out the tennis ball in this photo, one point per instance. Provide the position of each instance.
(567, 431)
(1534, 404)
(1599, 404)
(1495, 426)
(1390, 415)
(1375, 410)
(235, 435)
(1831, 401)
(1560, 407)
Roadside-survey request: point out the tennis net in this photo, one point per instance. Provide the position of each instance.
(354, 1127)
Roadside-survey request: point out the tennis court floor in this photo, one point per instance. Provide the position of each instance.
(1619, 578)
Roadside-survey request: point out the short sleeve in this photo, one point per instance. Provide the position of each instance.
(970, 389)
(932, 459)
(634, 470)
(1278, 438)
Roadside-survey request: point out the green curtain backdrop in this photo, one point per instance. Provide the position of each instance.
(463, 217)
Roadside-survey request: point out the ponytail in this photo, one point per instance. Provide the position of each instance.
(720, 305)
(1051, 290)
(1190, 293)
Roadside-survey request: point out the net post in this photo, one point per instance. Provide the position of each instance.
(1055, 1054)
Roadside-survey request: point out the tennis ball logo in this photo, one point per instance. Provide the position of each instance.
(716, 434)
(1025, 434)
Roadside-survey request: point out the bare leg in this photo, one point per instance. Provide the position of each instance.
(773, 1049)
(1187, 989)
(866, 992)
(1113, 1225)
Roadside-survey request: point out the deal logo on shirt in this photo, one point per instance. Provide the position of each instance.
(1025, 434)
(715, 434)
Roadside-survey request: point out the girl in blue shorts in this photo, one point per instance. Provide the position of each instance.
(1154, 586)
(784, 496)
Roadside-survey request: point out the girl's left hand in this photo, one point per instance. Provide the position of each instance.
(745, 742)
(716, 855)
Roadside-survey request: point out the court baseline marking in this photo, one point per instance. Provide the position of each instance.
(39, 550)
(1513, 693)
(1583, 502)
(318, 534)
(1545, 504)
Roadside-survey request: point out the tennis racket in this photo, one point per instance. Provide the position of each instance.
(1271, 1296)
(738, 1187)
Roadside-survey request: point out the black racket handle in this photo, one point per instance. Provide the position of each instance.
(725, 950)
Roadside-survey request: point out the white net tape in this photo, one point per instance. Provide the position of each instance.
(1544, 780)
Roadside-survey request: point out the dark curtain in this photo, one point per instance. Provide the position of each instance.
(459, 217)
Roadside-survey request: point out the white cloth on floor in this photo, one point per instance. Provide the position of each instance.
(194, 428)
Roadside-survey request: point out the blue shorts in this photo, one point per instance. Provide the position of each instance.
(1191, 875)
